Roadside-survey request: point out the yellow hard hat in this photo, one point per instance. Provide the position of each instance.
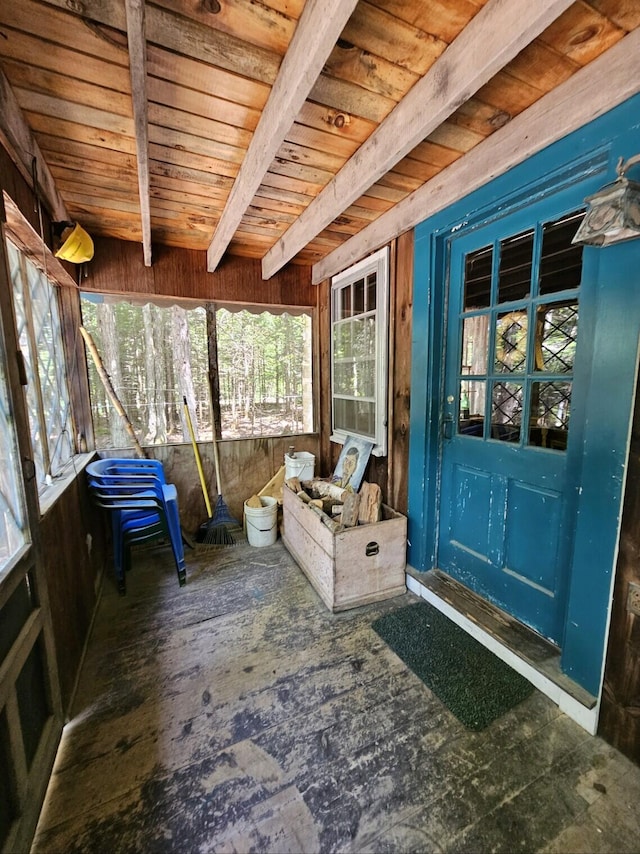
(77, 246)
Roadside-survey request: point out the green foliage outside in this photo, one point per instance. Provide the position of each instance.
(157, 355)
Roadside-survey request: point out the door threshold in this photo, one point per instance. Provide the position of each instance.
(531, 655)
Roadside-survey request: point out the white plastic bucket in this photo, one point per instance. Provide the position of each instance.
(262, 522)
(301, 466)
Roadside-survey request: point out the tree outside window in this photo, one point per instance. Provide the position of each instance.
(157, 355)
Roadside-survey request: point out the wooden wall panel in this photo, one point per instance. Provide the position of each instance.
(117, 267)
(72, 566)
(400, 395)
(246, 465)
(327, 458)
(620, 713)
(69, 569)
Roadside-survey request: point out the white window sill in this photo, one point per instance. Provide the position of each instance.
(74, 467)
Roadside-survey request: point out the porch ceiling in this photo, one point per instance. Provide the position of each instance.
(284, 129)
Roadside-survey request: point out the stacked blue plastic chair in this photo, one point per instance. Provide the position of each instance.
(142, 505)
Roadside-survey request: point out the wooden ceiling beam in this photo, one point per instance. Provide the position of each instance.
(492, 38)
(589, 93)
(314, 38)
(138, 70)
(25, 152)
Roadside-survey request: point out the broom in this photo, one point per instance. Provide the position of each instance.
(214, 531)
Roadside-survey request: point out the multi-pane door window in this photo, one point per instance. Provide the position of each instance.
(40, 337)
(519, 332)
(359, 332)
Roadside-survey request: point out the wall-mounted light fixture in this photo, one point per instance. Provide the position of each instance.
(613, 213)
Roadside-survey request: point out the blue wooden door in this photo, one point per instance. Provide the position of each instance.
(511, 413)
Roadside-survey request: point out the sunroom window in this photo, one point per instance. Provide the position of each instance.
(359, 357)
(13, 529)
(40, 337)
(157, 354)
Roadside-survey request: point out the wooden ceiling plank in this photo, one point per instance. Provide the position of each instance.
(81, 133)
(28, 49)
(379, 32)
(206, 79)
(369, 72)
(46, 105)
(102, 200)
(315, 179)
(207, 146)
(321, 141)
(25, 152)
(192, 160)
(61, 28)
(491, 39)
(317, 30)
(254, 22)
(179, 173)
(335, 122)
(70, 181)
(441, 18)
(178, 191)
(582, 33)
(591, 92)
(79, 155)
(624, 13)
(188, 37)
(198, 123)
(61, 87)
(314, 157)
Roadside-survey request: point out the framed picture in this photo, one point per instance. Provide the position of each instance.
(351, 463)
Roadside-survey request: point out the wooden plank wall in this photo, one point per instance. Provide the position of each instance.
(118, 267)
(620, 713)
(75, 552)
(71, 572)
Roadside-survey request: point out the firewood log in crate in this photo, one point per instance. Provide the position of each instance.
(346, 566)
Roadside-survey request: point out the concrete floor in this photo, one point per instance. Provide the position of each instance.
(239, 714)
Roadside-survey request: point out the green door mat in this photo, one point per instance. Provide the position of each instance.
(472, 682)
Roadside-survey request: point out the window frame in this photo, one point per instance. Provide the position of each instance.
(45, 451)
(213, 353)
(377, 263)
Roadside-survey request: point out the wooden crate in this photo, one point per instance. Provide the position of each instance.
(351, 567)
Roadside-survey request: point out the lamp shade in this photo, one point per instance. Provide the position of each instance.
(613, 213)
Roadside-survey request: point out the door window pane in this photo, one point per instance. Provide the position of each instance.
(475, 344)
(477, 278)
(560, 262)
(514, 272)
(557, 331)
(511, 342)
(506, 411)
(473, 394)
(550, 412)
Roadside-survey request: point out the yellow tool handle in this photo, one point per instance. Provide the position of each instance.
(197, 456)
